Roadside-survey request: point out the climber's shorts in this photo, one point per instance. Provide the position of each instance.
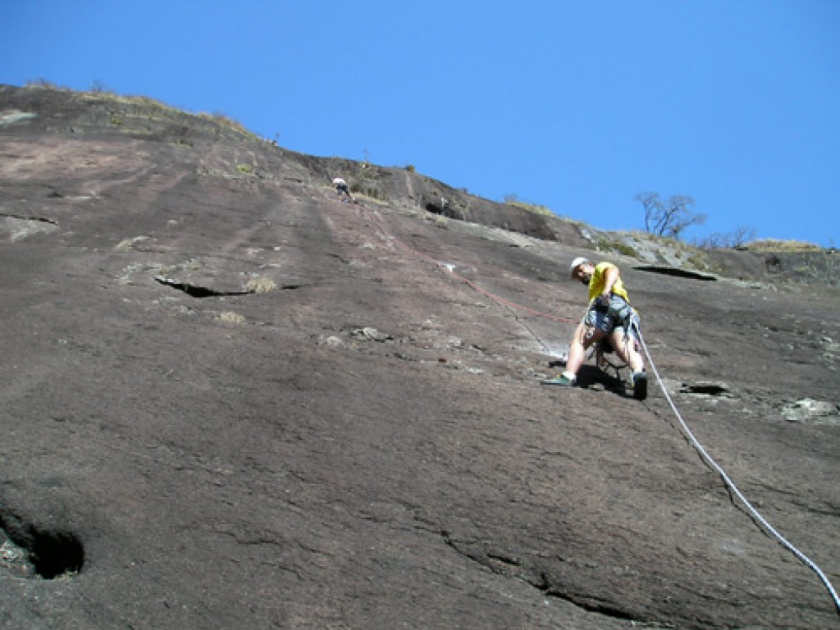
(619, 314)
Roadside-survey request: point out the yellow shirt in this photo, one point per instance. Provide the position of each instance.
(598, 281)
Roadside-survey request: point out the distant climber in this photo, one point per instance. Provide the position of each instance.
(609, 318)
(342, 189)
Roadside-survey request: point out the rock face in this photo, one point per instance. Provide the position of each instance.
(230, 400)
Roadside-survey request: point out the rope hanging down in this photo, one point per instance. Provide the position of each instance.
(731, 485)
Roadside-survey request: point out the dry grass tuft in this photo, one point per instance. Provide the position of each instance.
(773, 245)
(261, 285)
(226, 121)
(231, 317)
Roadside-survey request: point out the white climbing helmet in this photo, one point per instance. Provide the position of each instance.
(577, 262)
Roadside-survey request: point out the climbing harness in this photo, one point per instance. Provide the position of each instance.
(626, 317)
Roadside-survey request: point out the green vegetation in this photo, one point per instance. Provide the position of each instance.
(368, 190)
(618, 246)
(366, 182)
(698, 261)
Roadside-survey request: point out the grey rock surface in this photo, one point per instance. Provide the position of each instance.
(230, 400)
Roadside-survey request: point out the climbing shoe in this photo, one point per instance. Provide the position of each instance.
(640, 385)
(563, 381)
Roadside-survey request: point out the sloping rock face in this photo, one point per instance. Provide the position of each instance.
(230, 400)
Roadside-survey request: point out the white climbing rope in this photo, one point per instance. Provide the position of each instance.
(731, 485)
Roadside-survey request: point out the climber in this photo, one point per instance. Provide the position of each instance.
(342, 189)
(609, 317)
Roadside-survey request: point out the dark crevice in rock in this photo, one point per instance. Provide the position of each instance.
(708, 389)
(445, 209)
(504, 559)
(680, 273)
(586, 603)
(542, 582)
(198, 291)
(23, 218)
(53, 554)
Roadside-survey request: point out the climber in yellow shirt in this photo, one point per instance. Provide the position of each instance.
(609, 315)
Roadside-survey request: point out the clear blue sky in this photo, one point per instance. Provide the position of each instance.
(575, 105)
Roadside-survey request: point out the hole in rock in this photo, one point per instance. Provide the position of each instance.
(52, 554)
(443, 209)
(57, 553)
(709, 389)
